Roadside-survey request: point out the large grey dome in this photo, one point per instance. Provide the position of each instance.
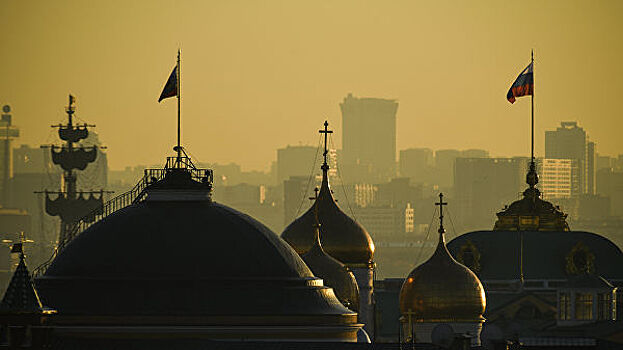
(177, 252)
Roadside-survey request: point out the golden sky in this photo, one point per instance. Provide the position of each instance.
(259, 75)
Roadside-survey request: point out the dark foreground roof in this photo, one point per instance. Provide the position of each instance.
(545, 254)
(187, 344)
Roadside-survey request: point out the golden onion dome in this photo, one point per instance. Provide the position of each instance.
(442, 289)
(342, 237)
(334, 274)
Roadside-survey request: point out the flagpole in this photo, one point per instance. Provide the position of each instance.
(179, 93)
(532, 109)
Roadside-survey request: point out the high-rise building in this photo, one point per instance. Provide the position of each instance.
(296, 161)
(417, 164)
(559, 178)
(7, 132)
(368, 139)
(444, 166)
(569, 141)
(295, 194)
(591, 167)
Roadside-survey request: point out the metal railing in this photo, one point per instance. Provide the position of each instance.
(135, 195)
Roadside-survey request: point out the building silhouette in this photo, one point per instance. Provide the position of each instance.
(8, 132)
(295, 161)
(569, 141)
(368, 139)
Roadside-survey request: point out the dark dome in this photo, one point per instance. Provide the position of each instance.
(334, 274)
(342, 237)
(443, 290)
(177, 252)
(546, 255)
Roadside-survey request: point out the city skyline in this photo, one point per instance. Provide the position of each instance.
(257, 76)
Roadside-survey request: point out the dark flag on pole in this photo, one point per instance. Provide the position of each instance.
(171, 87)
(523, 86)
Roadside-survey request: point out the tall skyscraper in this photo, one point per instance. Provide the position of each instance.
(368, 139)
(569, 141)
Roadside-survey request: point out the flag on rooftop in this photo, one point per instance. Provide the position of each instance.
(523, 85)
(171, 87)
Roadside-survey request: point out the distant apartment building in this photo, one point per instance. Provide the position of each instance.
(297, 161)
(610, 184)
(368, 139)
(295, 197)
(569, 141)
(385, 223)
(559, 178)
(417, 164)
(482, 187)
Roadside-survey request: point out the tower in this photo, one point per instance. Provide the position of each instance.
(70, 204)
(7, 133)
(368, 139)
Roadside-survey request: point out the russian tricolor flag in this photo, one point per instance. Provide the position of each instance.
(523, 85)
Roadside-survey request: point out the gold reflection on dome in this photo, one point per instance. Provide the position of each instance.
(442, 289)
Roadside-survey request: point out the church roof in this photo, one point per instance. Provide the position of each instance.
(21, 296)
(442, 289)
(496, 255)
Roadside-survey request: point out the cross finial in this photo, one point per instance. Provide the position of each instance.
(315, 198)
(326, 132)
(441, 203)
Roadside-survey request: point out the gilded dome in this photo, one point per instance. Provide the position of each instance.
(342, 237)
(333, 273)
(442, 290)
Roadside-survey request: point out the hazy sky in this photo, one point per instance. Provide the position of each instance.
(259, 75)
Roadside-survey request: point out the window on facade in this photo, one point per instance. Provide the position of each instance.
(583, 306)
(604, 306)
(564, 301)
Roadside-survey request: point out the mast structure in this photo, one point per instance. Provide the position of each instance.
(70, 204)
(179, 97)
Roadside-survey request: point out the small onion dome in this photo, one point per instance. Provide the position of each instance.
(334, 274)
(443, 290)
(342, 237)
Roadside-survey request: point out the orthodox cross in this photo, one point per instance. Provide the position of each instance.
(315, 198)
(441, 203)
(326, 132)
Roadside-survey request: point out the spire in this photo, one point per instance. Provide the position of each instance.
(441, 230)
(21, 295)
